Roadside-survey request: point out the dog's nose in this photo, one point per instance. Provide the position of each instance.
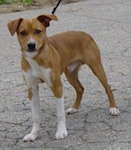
(31, 47)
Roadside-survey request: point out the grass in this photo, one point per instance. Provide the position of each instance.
(16, 1)
(3, 2)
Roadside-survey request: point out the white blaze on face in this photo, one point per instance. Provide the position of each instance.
(31, 40)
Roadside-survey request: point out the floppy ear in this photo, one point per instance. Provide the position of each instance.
(14, 25)
(45, 19)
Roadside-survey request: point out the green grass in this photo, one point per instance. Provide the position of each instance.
(28, 1)
(3, 2)
(16, 1)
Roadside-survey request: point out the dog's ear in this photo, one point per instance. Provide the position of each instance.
(14, 25)
(45, 19)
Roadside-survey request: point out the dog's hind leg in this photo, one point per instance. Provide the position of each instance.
(74, 81)
(96, 66)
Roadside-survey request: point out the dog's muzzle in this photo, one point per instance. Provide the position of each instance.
(31, 47)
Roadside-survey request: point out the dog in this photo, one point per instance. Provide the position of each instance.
(44, 59)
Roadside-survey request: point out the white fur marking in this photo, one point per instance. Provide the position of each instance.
(30, 79)
(61, 127)
(30, 54)
(71, 111)
(113, 111)
(39, 72)
(31, 40)
(35, 108)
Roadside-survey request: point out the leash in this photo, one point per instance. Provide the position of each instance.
(56, 7)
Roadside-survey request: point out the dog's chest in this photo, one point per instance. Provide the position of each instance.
(39, 71)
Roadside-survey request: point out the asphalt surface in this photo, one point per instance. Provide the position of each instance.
(92, 128)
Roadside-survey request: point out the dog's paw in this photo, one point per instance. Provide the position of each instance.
(30, 137)
(71, 111)
(113, 111)
(61, 133)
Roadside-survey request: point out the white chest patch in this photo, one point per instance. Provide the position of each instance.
(39, 72)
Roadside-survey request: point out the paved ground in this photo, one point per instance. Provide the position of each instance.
(109, 22)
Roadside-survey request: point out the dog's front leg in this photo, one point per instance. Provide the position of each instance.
(35, 108)
(61, 119)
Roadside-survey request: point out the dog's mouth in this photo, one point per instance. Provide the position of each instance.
(31, 54)
(31, 50)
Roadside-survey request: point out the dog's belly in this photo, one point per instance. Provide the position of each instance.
(39, 72)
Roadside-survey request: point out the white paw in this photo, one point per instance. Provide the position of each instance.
(71, 111)
(30, 137)
(113, 111)
(61, 133)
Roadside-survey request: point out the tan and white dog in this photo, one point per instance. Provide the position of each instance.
(45, 59)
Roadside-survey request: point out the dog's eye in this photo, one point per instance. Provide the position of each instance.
(23, 33)
(37, 31)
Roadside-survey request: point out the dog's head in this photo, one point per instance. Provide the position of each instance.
(31, 33)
